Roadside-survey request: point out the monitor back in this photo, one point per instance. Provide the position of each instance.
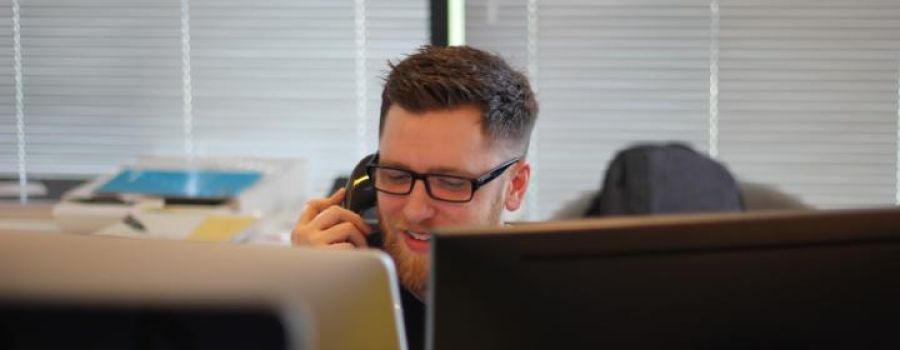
(790, 280)
(64, 291)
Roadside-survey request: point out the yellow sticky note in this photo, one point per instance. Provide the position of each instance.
(221, 228)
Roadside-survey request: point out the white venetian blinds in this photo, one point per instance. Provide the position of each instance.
(104, 81)
(8, 128)
(808, 97)
(101, 84)
(798, 94)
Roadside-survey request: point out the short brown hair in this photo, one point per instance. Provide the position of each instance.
(436, 78)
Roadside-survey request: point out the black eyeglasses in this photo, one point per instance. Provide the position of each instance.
(448, 188)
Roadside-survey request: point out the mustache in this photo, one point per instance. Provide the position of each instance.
(402, 226)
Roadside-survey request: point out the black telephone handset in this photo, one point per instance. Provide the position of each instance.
(361, 198)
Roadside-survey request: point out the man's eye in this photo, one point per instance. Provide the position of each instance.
(451, 183)
(396, 177)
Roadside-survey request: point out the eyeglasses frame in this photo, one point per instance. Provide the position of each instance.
(477, 182)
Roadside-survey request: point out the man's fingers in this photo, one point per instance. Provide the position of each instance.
(310, 211)
(336, 197)
(316, 206)
(340, 246)
(335, 215)
(345, 232)
(324, 223)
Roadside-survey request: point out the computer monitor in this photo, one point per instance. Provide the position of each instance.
(826, 279)
(67, 291)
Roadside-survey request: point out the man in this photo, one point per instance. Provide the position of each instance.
(453, 134)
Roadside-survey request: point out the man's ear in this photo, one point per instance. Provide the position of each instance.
(518, 185)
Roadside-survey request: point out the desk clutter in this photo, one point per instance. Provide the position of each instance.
(202, 199)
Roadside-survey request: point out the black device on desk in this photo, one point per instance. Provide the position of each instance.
(361, 198)
(791, 280)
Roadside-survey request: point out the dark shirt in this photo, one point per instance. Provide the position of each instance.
(413, 308)
(414, 319)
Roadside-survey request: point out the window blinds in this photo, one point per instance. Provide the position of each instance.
(8, 128)
(272, 78)
(809, 98)
(101, 83)
(801, 95)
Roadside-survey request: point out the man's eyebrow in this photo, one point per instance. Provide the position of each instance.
(437, 170)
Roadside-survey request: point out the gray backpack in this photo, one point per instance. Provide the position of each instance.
(665, 179)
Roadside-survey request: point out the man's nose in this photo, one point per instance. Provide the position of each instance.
(419, 206)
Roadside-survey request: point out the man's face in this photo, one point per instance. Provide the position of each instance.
(441, 142)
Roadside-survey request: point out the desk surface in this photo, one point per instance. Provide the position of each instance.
(37, 217)
(31, 217)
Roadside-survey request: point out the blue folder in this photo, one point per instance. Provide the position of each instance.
(190, 184)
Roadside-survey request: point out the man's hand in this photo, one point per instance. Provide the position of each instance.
(324, 223)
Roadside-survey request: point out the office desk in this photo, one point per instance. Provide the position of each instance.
(37, 217)
(32, 217)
